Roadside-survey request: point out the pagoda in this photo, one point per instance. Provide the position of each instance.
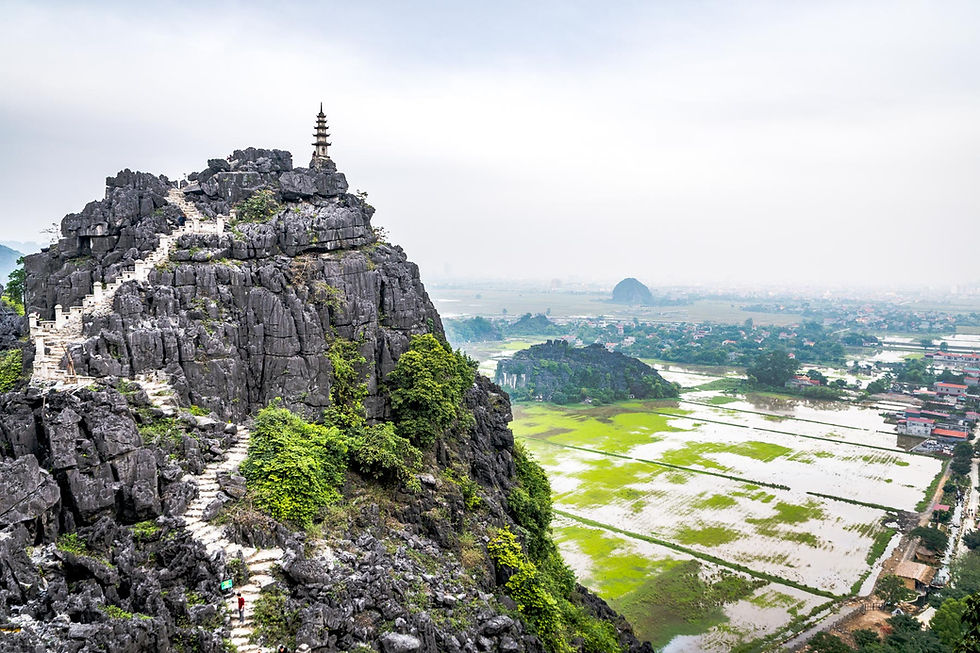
(321, 160)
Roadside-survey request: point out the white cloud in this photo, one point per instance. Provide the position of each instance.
(680, 144)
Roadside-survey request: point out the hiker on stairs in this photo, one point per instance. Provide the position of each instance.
(241, 608)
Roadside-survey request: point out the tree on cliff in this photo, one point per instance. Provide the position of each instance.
(427, 387)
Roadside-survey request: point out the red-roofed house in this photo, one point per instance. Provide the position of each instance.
(950, 389)
(916, 426)
(799, 382)
(949, 435)
(941, 506)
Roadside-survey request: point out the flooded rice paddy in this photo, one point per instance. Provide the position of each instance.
(793, 495)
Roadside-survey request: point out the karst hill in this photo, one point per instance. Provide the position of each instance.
(234, 381)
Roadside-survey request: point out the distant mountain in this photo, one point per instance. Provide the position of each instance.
(25, 246)
(8, 262)
(631, 291)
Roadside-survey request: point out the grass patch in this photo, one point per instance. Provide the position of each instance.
(881, 540)
(715, 502)
(701, 555)
(706, 536)
(930, 491)
(679, 601)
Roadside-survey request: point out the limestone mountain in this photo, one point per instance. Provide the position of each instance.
(631, 291)
(167, 316)
(558, 372)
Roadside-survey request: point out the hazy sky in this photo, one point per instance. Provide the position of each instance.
(678, 142)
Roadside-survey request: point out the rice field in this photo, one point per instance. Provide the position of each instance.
(671, 597)
(801, 502)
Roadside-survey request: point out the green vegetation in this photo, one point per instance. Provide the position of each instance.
(892, 590)
(115, 612)
(556, 371)
(680, 602)
(72, 543)
(260, 206)
(274, 624)
(427, 387)
(197, 411)
(882, 538)
(294, 468)
(773, 368)
(161, 430)
(530, 501)
(376, 451)
(13, 291)
(932, 538)
(706, 536)
(699, 554)
(145, 530)
(930, 492)
(11, 369)
(542, 599)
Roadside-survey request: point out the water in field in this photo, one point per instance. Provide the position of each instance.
(738, 479)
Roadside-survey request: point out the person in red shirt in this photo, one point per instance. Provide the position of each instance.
(241, 608)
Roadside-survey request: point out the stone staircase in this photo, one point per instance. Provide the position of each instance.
(53, 338)
(258, 561)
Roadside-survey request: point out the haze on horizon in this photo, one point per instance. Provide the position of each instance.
(676, 142)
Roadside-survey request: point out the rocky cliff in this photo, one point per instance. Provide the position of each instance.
(558, 372)
(95, 553)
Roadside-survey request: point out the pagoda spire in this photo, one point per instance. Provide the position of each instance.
(320, 157)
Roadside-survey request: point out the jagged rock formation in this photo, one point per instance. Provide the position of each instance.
(241, 317)
(630, 291)
(222, 321)
(558, 372)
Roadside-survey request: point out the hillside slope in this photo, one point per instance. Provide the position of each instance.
(98, 476)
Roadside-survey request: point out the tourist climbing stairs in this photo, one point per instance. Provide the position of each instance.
(259, 562)
(53, 341)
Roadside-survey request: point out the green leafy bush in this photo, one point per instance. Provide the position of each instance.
(534, 602)
(530, 501)
(542, 600)
(427, 387)
(293, 468)
(259, 207)
(347, 389)
(11, 368)
(379, 452)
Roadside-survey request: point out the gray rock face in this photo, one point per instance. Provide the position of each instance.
(98, 242)
(29, 492)
(236, 320)
(399, 643)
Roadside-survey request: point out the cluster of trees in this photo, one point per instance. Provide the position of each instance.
(702, 344)
(13, 292)
(295, 468)
(954, 628)
(962, 457)
(558, 372)
(917, 372)
(774, 368)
